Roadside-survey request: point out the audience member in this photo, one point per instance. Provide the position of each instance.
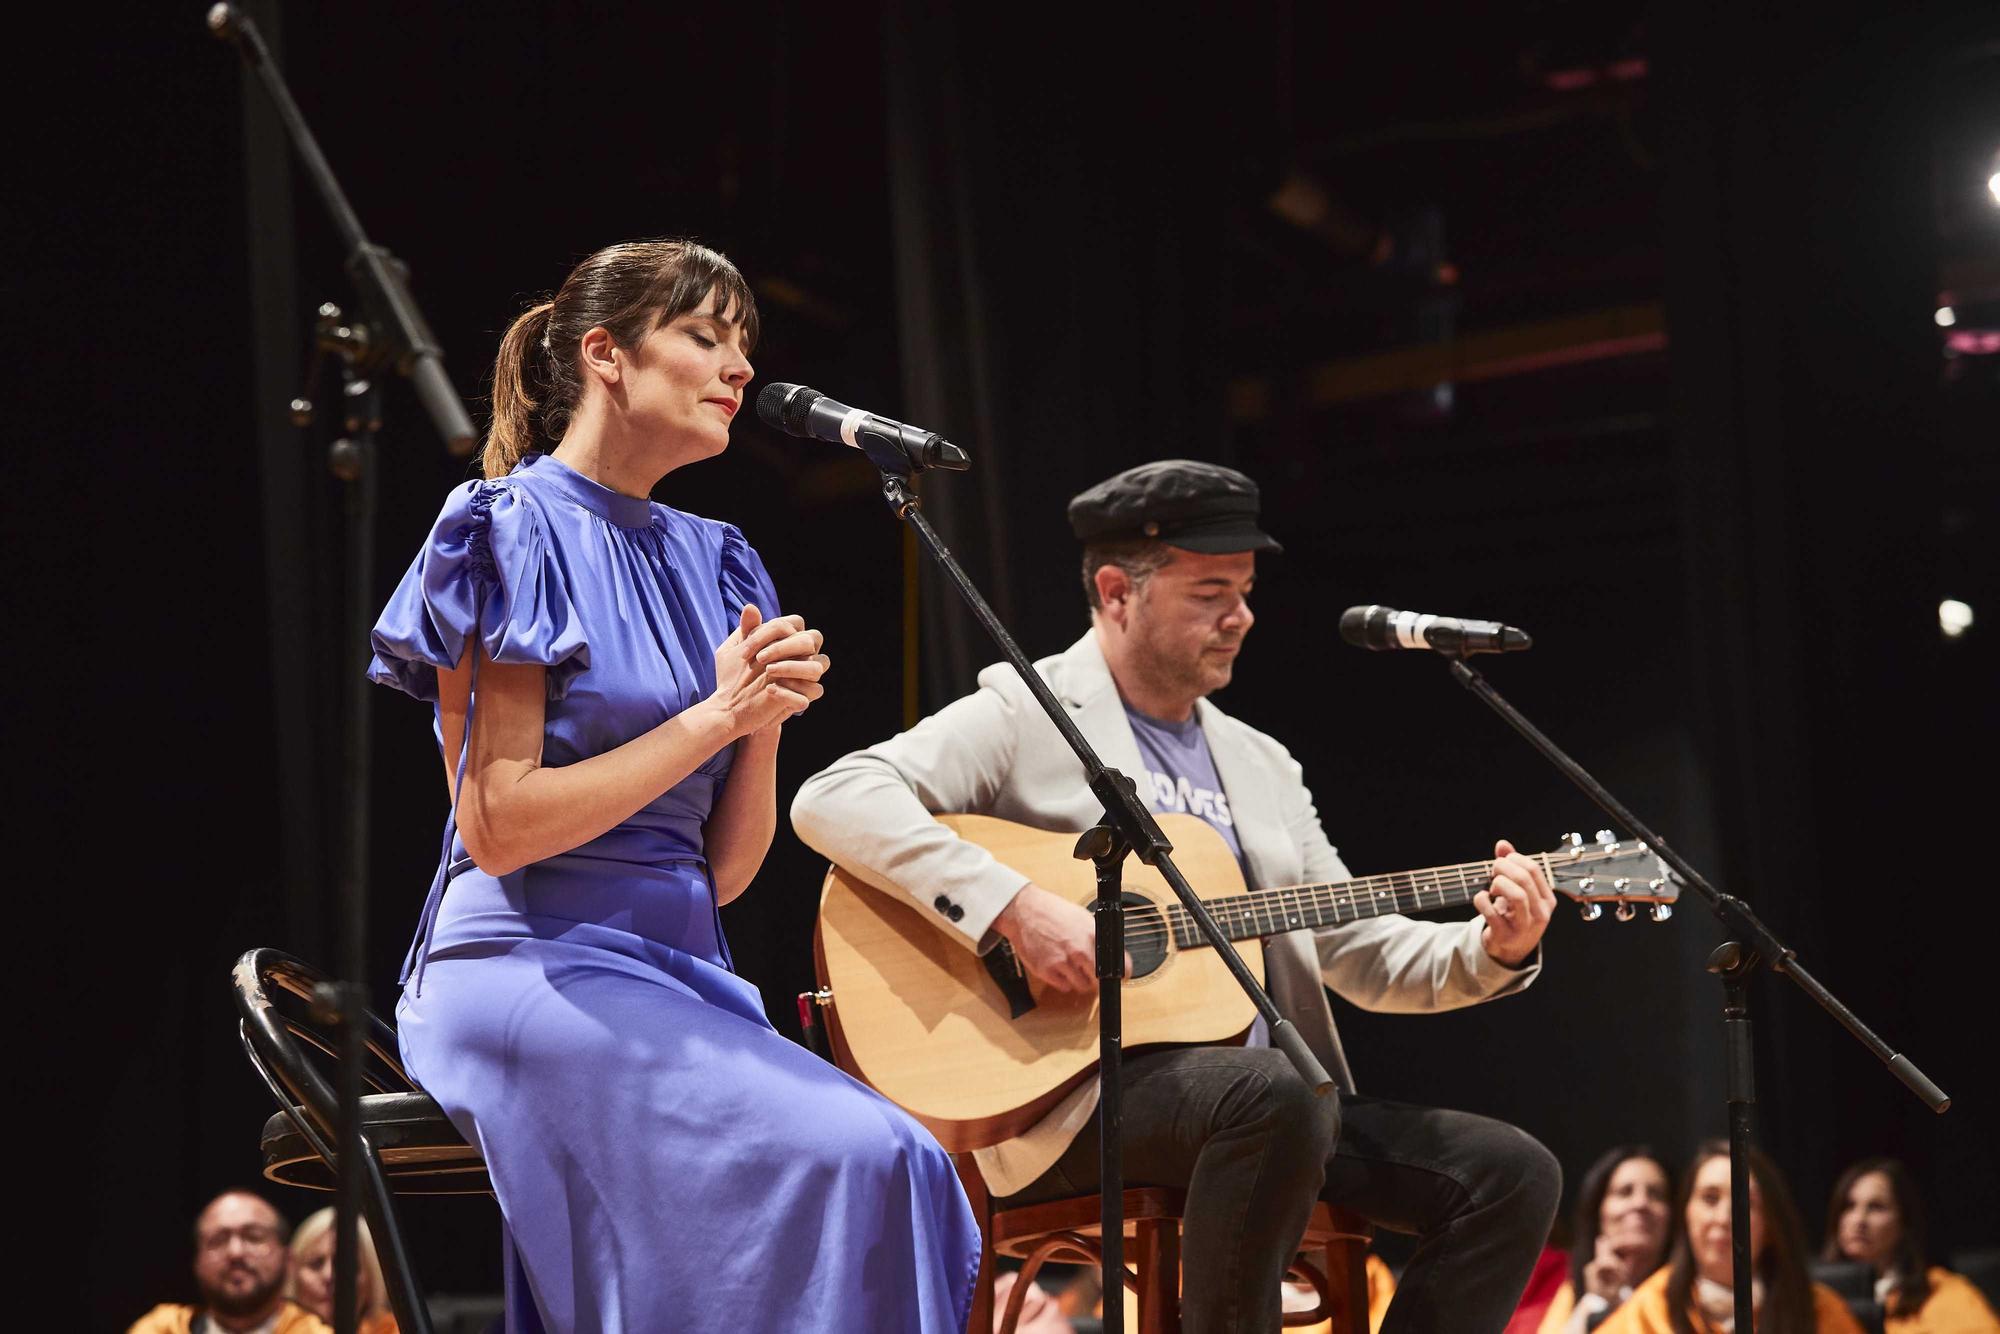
(241, 1268)
(312, 1275)
(1875, 1218)
(1623, 1224)
(1041, 1310)
(1692, 1295)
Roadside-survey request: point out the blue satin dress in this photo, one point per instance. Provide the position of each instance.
(664, 1160)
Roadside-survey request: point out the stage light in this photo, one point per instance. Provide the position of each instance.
(1946, 317)
(1993, 185)
(1954, 618)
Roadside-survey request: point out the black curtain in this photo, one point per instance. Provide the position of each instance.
(1058, 198)
(1801, 275)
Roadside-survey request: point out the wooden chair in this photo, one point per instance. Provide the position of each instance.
(1068, 1231)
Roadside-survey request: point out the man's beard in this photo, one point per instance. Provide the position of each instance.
(1189, 675)
(249, 1302)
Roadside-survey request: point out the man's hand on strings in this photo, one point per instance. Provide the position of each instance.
(1517, 906)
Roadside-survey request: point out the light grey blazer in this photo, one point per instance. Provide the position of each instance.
(994, 753)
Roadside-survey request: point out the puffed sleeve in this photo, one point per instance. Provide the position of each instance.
(487, 563)
(743, 577)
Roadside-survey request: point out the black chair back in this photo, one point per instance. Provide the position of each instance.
(281, 1012)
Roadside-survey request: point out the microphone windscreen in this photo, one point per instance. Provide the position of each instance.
(771, 405)
(1354, 626)
(787, 407)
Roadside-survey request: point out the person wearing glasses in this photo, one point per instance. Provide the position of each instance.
(241, 1270)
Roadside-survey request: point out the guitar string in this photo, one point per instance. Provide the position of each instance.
(1266, 907)
(1253, 920)
(1364, 896)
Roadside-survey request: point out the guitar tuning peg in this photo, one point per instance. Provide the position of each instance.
(1590, 912)
(1625, 912)
(1660, 912)
(1586, 885)
(1606, 839)
(1571, 840)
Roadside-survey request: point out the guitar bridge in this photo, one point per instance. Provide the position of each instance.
(1009, 976)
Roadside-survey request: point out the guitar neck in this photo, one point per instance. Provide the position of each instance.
(1270, 912)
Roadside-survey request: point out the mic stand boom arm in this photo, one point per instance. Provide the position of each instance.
(383, 280)
(1752, 944)
(1127, 826)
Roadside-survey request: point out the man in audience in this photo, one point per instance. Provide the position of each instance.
(240, 1268)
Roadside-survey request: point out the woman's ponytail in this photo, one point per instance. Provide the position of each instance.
(513, 434)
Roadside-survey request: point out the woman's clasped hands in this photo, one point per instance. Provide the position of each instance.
(768, 671)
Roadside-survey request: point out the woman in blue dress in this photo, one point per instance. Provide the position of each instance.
(610, 679)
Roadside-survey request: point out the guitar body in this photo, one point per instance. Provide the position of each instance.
(922, 1019)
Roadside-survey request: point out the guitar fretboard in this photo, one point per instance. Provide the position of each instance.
(1269, 912)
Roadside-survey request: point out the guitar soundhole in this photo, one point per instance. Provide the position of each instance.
(1146, 936)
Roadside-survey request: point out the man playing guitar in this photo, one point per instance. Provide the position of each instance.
(1169, 562)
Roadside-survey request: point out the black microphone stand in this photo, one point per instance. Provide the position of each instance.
(1752, 945)
(395, 337)
(1127, 827)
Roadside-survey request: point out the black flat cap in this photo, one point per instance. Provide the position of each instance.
(1196, 506)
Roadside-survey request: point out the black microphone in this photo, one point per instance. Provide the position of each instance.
(1376, 627)
(797, 410)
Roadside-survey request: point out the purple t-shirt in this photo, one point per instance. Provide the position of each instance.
(1179, 775)
(1179, 778)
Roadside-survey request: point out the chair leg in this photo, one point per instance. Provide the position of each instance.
(1347, 1286)
(1157, 1250)
(1357, 1285)
(399, 1275)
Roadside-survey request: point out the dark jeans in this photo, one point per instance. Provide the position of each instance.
(1236, 1129)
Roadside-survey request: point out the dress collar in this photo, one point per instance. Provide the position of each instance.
(611, 506)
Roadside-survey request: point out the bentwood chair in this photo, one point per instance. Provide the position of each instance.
(408, 1145)
(1071, 1230)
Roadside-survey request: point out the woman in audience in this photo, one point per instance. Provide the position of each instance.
(1623, 1224)
(1876, 1219)
(1692, 1295)
(312, 1275)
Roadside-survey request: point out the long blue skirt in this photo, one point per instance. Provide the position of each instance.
(663, 1158)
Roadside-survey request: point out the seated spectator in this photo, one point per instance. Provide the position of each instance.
(1041, 1310)
(312, 1275)
(1623, 1224)
(1875, 1218)
(1692, 1294)
(241, 1268)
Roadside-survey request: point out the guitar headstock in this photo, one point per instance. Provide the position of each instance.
(1606, 870)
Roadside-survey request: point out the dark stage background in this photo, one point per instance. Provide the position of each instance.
(1703, 440)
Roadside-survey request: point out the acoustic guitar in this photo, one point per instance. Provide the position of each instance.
(978, 1051)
